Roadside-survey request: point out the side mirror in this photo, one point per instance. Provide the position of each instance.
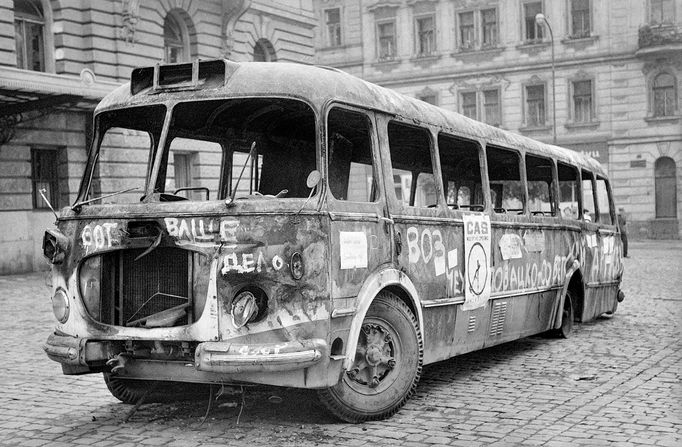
(313, 179)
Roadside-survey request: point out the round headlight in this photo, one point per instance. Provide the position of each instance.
(244, 309)
(296, 265)
(90, 285)
(60, 306)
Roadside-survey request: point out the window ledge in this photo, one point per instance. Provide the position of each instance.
(425, 58)
(477, 51)
(535, 129)
(387, 63)
(533, 44)
(663, 119)
(335, 47)
(583, 125)
(568, 40)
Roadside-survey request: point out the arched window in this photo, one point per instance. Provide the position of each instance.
(666, 188)
(175, 39)
(29, 23)
(664, 95)
(263, 51)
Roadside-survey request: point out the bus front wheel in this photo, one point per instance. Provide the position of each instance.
(387, 366)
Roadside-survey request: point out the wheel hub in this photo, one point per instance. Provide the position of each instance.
(374, 357)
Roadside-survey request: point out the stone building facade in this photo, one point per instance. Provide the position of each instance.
(599, 76)
(58, 58)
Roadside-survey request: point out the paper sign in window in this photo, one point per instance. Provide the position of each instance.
(353, 249)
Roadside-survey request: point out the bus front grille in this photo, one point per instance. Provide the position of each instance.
(153, 290)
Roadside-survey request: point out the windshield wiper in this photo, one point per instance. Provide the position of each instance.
(77, 206)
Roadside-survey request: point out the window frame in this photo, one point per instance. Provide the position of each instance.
(590, 14)
(339, 28)
(553, 188)
(480, 111)
(418, 34)
(526, 109)
(538, 29)
(482, 174)
(652, 95)
(478, 30)
(609, 196)
(573, 111)
(521, 163)
(183, 44)
(394, 39)
(54, 194)
(44, 19)
(650, 13)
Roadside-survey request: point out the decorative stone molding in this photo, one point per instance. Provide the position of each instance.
(130, 15)
(233, 10)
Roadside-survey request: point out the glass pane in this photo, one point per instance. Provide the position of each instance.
(603, 202)
(588, 198)
(506, 186)
(461, 171)
(469, 104)
(568, 191)
(410, 149)
(540, 179)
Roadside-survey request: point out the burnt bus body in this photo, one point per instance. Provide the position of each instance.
(290, 259)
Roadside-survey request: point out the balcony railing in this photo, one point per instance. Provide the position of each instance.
(663, 35)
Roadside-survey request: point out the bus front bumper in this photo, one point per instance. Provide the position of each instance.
(77, 354)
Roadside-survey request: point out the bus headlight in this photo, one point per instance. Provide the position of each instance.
(90, 285)
(244, 309)
(60, 306)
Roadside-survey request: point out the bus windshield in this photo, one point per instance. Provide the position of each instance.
(264, 147)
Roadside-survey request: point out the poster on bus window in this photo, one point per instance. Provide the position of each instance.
(477, 243)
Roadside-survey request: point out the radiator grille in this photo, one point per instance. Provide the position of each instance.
(153, 283)
(135, 289)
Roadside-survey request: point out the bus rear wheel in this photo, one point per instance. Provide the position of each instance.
(387, 366)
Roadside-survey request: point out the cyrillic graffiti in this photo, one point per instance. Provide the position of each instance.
(99, 237)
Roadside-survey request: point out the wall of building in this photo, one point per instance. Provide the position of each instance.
(623, 135)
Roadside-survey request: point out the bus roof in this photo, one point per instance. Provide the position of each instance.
(319, 85)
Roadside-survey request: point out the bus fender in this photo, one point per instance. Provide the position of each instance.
(558, 318)
(375, 284)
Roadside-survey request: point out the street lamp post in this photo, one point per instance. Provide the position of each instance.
(540, 18)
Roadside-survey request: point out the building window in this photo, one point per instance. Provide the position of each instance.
(489, 27)
(664, 95)
(580, 18)
(264, 51)
(175, 39)
(535, 105)
(582, 101)
(332, 20)
(426, 36)
(532, 31)
(44, 177)
(662, 11)
(489, 99)
(469, 108)
(666, 188)
(478, 29)
(386, 32)
(428, 97)
(467, 39)
(29, 25)
(491, 107)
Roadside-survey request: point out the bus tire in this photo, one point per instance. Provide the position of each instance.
(387, 366)
(126, 390)
(564, 331)
(130, 391)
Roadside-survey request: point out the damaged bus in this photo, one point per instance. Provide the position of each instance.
(291, 225)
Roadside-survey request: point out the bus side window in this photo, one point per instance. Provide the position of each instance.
(461, 169)
(540, 177)
(351, 168)
(589, 208)
(568, 191)
(506, 185)
(604, 201)
(410, 149)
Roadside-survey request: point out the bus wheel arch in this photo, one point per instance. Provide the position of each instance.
(387, 364)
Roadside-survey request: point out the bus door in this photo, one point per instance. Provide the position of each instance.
(603, 248)
(360, 235)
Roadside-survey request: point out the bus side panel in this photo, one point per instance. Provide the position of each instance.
(432, 256)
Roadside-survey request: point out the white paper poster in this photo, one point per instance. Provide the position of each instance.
(477, 243)
(353, 249)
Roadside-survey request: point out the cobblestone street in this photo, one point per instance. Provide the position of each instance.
(614, 382)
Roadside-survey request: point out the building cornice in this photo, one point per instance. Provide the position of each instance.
(35, 82)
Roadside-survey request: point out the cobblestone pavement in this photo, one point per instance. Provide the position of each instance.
(615, 382)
